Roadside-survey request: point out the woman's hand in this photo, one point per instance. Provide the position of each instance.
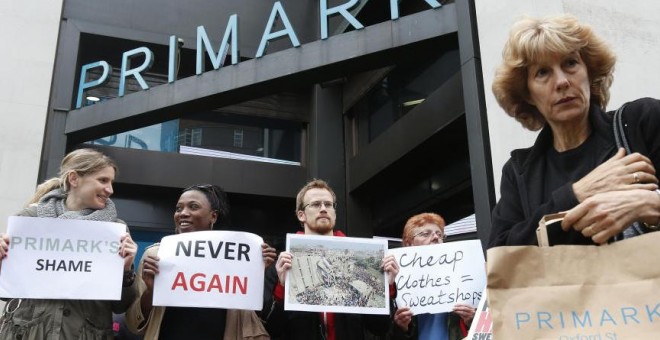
(127, 250)
(621, 172)
(268, 253)
(465, 312)
(149, 271)
(390, 267)
(606, 214)
(402, 317)
(283, 265)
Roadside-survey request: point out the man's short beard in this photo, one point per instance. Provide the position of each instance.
(321, 229)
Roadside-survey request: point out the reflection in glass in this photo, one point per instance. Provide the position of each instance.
(217, 134)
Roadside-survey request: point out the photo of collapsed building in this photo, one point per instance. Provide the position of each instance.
(337, 274)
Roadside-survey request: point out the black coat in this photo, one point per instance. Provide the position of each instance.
(521, 205)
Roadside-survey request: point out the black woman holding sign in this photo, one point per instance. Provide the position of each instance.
(198, 209)
(82, 192)
(425, 229)
(555, 76)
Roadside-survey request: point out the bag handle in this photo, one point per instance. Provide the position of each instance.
(542, 230)
(622, 142)
(619, 130)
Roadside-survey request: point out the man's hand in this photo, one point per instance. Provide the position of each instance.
(390, 267)
(283, 265)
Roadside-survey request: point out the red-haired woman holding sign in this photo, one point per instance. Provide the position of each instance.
(82, 191)
(425, 229)
(198, 209)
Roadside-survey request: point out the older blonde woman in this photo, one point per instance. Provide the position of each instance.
(555, 76)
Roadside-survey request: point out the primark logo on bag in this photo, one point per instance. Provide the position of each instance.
(589, 324)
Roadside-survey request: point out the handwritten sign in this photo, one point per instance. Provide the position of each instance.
(336, 274)
(52, 258)
(433, 278)
(220, 269)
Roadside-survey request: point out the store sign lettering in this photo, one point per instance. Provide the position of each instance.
(229, 41)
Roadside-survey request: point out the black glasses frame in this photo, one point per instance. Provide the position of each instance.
(323, 203)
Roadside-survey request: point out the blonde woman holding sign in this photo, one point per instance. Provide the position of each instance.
(198, 209)
(82, 191)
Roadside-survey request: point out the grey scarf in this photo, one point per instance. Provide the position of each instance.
(52, 205)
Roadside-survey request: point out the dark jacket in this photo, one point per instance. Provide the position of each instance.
(296, 325)
(521, 205)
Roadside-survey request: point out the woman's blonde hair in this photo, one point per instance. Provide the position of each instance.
(81, 161)
(532, 40)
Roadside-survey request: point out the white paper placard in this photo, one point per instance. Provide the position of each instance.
(336, 274)
(219, 269)
(433, 278)
(52, 258)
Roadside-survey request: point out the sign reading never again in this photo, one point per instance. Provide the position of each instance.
(204, 44)
(215, 269)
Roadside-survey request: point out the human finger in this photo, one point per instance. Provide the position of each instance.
(402, 317)
(604, 235)
(572, 216)
(151, 263)
(269, 255)
(4, 245)
(130, 247)
(283, 258)
(124, 241)
(607, 214)
(637, 158)
(642, 180)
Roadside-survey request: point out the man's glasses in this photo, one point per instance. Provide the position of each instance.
(316, 205)
(429, 233)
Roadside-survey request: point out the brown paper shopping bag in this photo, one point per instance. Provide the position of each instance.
(576, 292)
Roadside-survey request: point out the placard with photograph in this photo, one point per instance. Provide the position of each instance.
(336, 274)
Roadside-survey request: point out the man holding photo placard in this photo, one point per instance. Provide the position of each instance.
(315, 209)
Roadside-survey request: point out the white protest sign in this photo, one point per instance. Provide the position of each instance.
(51, 258)
(336, 274)
(433, 278)
(219, 269)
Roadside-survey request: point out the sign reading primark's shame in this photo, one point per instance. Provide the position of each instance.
(231, 34)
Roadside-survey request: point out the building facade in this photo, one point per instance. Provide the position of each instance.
(384, 100)
(261, 96)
